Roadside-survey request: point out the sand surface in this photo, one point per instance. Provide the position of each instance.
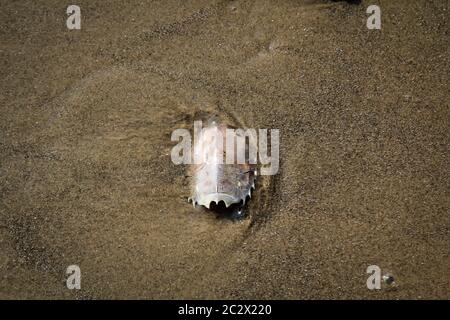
(85, 170)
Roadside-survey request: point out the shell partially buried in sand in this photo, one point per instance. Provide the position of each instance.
(214, 178)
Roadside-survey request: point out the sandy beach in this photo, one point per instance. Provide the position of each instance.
(86, 176)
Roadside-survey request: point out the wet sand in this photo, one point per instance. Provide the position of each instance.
(86, 176)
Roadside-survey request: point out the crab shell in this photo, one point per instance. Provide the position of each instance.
(213, 179)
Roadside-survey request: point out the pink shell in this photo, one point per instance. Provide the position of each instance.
(212, 179)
